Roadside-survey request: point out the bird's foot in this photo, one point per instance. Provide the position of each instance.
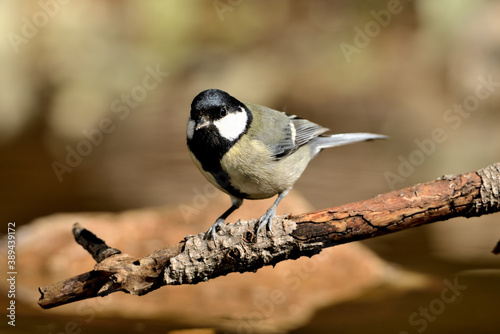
(212, 231)
(267, 221)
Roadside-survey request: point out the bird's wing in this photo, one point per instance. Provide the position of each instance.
(286, 132)
(305, 130)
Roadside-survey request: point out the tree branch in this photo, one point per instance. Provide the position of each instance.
(238, 249)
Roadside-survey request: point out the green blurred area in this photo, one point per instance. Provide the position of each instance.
(113, 82)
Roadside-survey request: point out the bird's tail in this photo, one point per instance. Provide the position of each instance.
(322, 142)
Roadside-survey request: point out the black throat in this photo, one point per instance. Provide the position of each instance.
(209, 148)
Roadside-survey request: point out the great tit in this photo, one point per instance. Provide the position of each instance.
(253, 152)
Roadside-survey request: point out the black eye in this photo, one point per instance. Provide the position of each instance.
(223, 112)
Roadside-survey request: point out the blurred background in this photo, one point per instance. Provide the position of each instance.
(95, 97)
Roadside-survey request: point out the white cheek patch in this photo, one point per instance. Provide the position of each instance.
(232, 125)
(190, 129)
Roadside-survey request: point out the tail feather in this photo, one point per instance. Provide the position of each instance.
(322, 142)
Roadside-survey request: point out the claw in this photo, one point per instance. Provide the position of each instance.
(212, 231)
(267, 220)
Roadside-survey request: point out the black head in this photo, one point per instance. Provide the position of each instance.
(216, 123)
(217, 117)
(214, 104)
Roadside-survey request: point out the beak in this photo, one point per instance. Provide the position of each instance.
(203, 122)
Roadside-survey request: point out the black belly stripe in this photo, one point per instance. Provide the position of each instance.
(209, 153)
(223, 180)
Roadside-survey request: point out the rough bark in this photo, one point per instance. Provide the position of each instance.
(238, 249)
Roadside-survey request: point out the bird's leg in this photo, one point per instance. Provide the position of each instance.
(220, 222)
(267, 218)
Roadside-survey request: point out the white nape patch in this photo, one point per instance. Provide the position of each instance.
(190, 128)
(294, 132)
(232, 125)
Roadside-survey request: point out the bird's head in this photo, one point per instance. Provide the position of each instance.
(216, 115)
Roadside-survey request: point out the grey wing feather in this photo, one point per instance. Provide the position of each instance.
(286, 145)
(291, 132)
(298, 132)
(288, 133)
(305, 130)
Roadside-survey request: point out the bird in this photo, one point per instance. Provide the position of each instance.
(254, 152)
